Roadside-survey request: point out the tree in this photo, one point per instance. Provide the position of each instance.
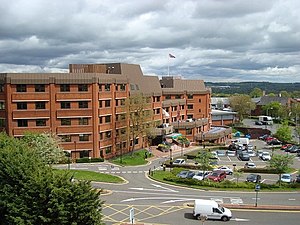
(242, 104)
(256, 92)
(285, 94)
(284, 133)
(237, 175)
(281, 163)
(139, 114)
(46, 145)
(272, 109)
(204, 160)
(32, 193)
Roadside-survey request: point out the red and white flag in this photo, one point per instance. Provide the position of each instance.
(171, 56)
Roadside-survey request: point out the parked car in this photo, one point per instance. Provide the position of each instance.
(249, 165)
(214, 164)
(257, 122)
(250, 147)
(286, 178)
(226, 169)
(274, 141)
(231, 153)
(284, 147)
(179, 161)
(200, 175)
(244, 156)
(293, 149)
(266, 156)
(267, 139)
(186, 174)
(297, 179)
(217, 176)
(259, 153)
(214, 155)
(251, 153)
(254, 178)
(263, 137)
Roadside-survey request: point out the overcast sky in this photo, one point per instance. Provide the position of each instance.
(213, 40)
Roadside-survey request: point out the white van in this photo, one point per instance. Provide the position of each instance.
(211, 210)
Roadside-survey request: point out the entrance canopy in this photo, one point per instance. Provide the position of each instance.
(173, 135)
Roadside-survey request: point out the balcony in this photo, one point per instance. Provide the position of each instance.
(19, 114)
(189, 124)
(67, 96)
(66, 113)
(30, 96)
(162, 131)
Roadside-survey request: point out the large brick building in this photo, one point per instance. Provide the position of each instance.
(86, 106)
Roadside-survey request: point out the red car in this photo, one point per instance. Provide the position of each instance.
(268, 139)
(217, 175)
(284, 147)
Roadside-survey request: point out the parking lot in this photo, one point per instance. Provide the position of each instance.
(235, 163)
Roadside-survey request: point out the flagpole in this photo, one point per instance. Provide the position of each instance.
(168, 65)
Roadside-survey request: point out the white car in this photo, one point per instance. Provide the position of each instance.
(214, 155)
(200, 175)
(179, 161)
(251, 153)
(286, 178)
(226, 169)
(250, 165)
(266, 156)
(250, 147)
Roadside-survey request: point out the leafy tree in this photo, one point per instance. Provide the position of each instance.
(272, 94)
(46, 145)
(272, 109)
(31, 193)
(204, 159)
(297, 131)
(139, 114)
(284, 133)
(242, 104)
(281, 163)
(237, 174)
(285, 94)
(256, 92)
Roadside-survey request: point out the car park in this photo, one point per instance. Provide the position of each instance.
(286, 178)
(226, 169)
(293, 149)
(266, 156)
(179, 161)
(186, 174)
(284, 147)
(214, 164)
(217, 176)
(251, 153)
(201, 175)
(254, 178)
(259, 153)
(244, 156)
(250, 147)
(231, 153)
(249, 165)
(214, 155)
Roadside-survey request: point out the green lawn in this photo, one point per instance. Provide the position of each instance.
(92, 176)
(134, 159)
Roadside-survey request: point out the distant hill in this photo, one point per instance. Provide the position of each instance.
(247, 87)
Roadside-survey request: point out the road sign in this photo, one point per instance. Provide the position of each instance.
(131, 216)
(257, 187)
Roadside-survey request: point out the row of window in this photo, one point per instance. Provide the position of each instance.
(68, 138)
(66, 87)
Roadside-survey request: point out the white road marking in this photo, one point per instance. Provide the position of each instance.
(148, 189)
(292, 199)
(102, 168)
(240, 219)
(165, 188)
(236, 201)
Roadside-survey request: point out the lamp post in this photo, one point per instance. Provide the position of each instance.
(171, 159)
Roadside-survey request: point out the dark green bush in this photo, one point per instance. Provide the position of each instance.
(88, 160)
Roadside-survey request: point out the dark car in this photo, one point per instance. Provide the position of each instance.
(293, 149)
(244, 156)
(186, 174)
(274, 141)
(254, 178)
(258, 123)
(297, 179)
(217, 175)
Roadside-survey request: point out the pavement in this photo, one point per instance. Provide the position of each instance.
(176, 150)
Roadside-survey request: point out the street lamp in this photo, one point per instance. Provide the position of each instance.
(171, 159)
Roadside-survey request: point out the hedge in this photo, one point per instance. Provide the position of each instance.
(89, 160)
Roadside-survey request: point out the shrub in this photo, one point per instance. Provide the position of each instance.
(88, 160)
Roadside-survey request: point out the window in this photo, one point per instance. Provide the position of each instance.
(199, 110)
(177, 96)
(65, 105)
(122, 87)
(108, 150)
(188, 131)
(82, 87)
(65, 87)
(107, 119)
(65, 138)
(83, 121)
(39, 87)
(2, 122)
(190, 106)
(168, 96)
(104, 103)
(107, 87)
(83, 137)
(21, 105)
(21, 87)
(22, 123)
(2, 105)
(1, 87)
(84, 154)
(100, 87)
(190, 96)
(200, 100)
(83, 105)
(40, 122)
(65, 122)
(40, 105)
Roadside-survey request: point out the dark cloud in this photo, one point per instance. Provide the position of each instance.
(214, 40)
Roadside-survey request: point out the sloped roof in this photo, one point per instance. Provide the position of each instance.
(264, 100)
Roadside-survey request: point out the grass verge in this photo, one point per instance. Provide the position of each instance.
(92, 176)
(132, 159)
